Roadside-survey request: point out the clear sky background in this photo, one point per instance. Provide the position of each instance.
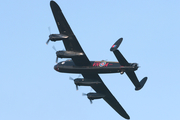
(30, 89)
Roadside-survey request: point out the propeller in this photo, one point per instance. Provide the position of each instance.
(77, 77)
(73, 80)
(56, 54)
(49, 35)
(49, 30)
(47, 41)
(91, 101)
(84, 94)
(54, 48)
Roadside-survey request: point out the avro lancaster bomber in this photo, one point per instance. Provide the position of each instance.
(80, 64)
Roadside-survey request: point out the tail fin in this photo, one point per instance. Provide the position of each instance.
(116, 44)
(117, 53)
(142, 82)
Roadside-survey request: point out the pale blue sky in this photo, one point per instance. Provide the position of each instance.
(30, 89)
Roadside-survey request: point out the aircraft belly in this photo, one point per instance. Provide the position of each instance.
(87, 70)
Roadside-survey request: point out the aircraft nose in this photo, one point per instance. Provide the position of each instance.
(56, 67)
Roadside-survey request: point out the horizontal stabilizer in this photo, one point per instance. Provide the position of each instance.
(142, 82)
(116, 44)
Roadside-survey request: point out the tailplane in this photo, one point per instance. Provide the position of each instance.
(126, 65)
(142, 82)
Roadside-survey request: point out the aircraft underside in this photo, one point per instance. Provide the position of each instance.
(80, 63)
(97, 67)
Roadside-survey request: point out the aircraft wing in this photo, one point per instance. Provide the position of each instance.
(71, 44)
(109, 98)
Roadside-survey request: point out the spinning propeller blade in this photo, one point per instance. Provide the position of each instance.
(54, 48)
(77, 87)
(56, 54)
(83, 94)
(49, 37)
(73, 80)
(47, 41)
(56, 59)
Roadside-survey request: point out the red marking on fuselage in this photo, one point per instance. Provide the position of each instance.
(106, 64)
(96, 64)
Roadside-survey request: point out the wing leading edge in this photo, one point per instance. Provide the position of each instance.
(109, 98)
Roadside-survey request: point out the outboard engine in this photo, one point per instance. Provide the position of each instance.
(56, 37)
(91, 96)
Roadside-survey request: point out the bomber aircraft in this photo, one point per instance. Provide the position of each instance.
(80, 64)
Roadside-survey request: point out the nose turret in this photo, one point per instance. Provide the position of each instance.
(56, 67)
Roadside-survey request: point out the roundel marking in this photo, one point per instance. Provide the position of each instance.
(114, 46)
(102, 64)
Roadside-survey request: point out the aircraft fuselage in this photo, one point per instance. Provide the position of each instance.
(97, 67)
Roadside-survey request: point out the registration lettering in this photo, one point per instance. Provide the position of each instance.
(100, 64)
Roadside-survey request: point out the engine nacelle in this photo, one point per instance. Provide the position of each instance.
(56, 37)
(92, 96)
(85, 82)
(68, 54)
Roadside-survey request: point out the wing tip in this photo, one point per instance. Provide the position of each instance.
(126, 116)
(53, 4)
